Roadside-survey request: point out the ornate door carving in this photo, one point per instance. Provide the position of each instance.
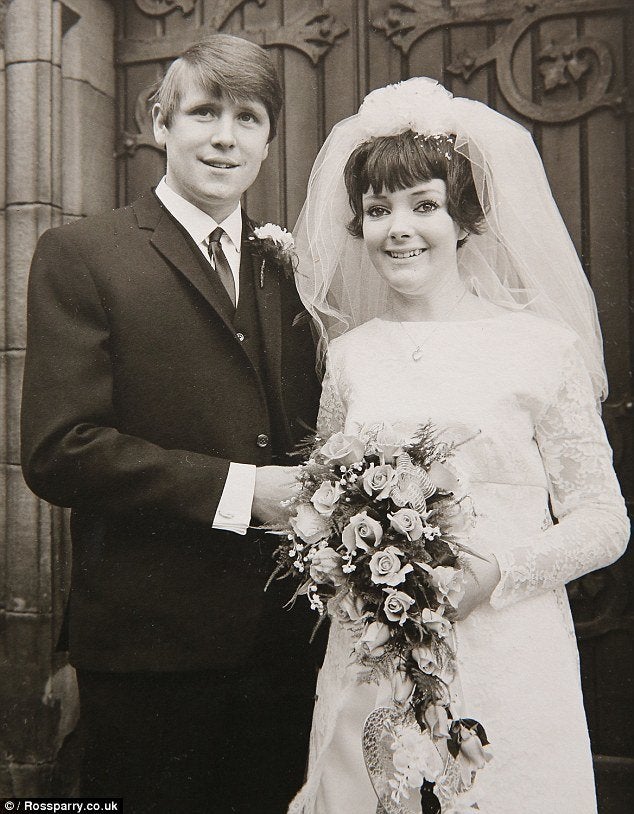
(561, 68)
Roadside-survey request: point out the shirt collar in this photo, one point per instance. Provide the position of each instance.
(198, 223)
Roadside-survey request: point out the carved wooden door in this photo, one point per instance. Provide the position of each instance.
(560, 67)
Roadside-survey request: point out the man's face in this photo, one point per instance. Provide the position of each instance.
(215, 148)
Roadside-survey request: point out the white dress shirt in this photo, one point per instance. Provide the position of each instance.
(200, 225)
(234, 510)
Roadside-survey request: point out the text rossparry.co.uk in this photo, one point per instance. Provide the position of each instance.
(77, 806)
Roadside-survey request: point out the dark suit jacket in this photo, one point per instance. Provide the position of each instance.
(137, 395)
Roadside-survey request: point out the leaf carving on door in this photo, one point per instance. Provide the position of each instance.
(404, 22)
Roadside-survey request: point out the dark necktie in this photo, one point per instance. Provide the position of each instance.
(221, 264)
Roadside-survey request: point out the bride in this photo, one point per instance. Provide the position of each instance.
(444, 286)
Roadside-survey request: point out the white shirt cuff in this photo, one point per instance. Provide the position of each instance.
(234, 510)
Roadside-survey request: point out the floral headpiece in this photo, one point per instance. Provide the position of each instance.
(419, 104)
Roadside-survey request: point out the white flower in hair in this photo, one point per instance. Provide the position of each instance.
(419, 104)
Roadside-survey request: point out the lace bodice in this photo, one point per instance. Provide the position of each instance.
(518, 384)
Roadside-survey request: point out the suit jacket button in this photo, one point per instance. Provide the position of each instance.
(262, 440)
(240, 336)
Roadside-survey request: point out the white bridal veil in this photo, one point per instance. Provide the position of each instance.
(524, 258)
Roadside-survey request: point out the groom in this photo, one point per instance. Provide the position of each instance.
(165, 380)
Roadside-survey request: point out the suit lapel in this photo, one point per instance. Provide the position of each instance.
(182, 253)
(268, 297)
(268, 302)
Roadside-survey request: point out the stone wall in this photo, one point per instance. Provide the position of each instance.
(56, 163)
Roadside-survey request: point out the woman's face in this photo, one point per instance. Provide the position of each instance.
(410, 236)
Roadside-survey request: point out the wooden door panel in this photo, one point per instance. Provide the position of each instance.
(427, 57)
(561, 144)
(266, 198)
(340, 73)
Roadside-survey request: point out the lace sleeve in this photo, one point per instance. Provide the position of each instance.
(592, 529)
(332, 411)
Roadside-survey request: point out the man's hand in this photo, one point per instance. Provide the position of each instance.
(273, 484)
(481, 579)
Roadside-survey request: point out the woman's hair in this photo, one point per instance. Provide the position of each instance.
(223, 66)
(404, 160)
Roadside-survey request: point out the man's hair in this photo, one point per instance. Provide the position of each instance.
(404, 160)
(223, 66)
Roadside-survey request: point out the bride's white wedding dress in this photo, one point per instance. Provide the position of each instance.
(516, 383)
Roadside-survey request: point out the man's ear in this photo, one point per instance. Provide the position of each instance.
(159, 126)
(266, 150)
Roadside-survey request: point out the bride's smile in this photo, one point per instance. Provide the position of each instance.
(403, 255)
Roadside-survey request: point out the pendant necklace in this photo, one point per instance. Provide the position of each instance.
(417, 353)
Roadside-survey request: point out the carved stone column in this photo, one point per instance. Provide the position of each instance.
(57, 94)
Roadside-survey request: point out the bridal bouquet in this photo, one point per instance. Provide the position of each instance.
(374, 539)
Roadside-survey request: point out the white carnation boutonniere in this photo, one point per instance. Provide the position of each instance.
(276, 244)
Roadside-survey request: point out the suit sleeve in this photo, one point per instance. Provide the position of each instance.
(72, 452)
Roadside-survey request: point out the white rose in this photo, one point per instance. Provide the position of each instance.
(402, 686)
(378, 481)
(343, 449)
(309, 525)
(435, 622)
(407, 522)
(375, 636)
(325, 567)
(437, 720)
(444, 478)
(426, 660)
(386, 567)
(448, 583)
(396, 605)
(389, 443)
(349, 608)
(325, 497)
(362, 532)
(471, 756)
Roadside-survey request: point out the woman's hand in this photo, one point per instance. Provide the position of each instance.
(481, 579)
